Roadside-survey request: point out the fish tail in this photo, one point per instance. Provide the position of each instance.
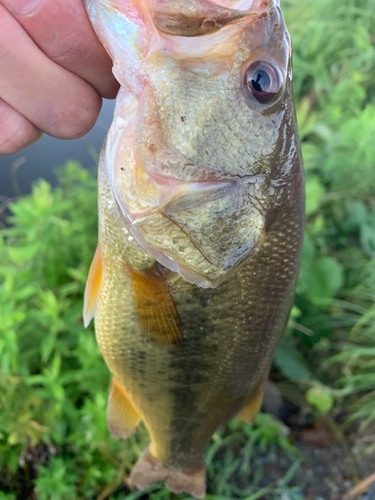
(149, 470)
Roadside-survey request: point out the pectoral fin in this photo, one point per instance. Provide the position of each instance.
(156, 310)
(92, 288)
(122, 417)
(249, 412)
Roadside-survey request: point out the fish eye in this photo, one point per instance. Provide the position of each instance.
(262, 81)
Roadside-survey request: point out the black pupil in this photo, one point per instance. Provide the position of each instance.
(261, 81)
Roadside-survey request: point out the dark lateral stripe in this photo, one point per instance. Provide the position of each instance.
(156, 309)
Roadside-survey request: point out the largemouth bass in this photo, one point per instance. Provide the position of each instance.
(201, 208)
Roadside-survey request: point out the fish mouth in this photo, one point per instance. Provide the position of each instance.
(207, 187)
(198, 18)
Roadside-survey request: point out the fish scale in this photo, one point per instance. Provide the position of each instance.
(237, 321)
(201, 209)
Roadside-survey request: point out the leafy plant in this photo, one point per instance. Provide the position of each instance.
(53, 380)
(356, 358)
(334, 85)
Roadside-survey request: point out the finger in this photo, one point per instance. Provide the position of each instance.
(53, 99)
(16, 132)
(62, 30)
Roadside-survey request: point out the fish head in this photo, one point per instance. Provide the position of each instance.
(203, 151)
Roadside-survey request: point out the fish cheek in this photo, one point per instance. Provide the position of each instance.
(227, 229)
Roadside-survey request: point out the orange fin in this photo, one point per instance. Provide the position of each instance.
(122, 417)
(150, 470)
(249, 412)
(92, 288)
(156, 309)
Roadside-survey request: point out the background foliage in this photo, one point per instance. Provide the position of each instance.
(53, 382)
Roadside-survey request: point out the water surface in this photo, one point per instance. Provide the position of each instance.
(19, 171)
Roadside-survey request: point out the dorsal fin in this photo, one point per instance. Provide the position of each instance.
(92, 287)
(156, 309)
(193, 17)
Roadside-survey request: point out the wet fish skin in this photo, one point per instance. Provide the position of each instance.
(221, 201)
(230, 334)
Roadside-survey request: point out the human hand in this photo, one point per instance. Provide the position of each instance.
(53, 72)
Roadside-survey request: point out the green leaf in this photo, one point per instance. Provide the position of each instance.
(47, 346)
(357, 217)
(19, 255)
(291, 362)
(314, 194)
(325, 279)
(7, 496)
(368, 239)
(320, 397)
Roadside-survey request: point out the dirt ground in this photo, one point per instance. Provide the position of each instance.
(330, 470)
(325, 473)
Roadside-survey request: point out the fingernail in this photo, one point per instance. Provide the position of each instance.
(23, 6)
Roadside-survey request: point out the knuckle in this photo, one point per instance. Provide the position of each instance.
(66, 49)
(11, 144)
(83, 123)
(13, 139)
(75, 120)
(111, 90)
(5, 50)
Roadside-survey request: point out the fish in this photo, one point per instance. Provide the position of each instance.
(201, 214)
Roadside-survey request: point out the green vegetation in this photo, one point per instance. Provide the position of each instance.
(53, 381)
(334, 82)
